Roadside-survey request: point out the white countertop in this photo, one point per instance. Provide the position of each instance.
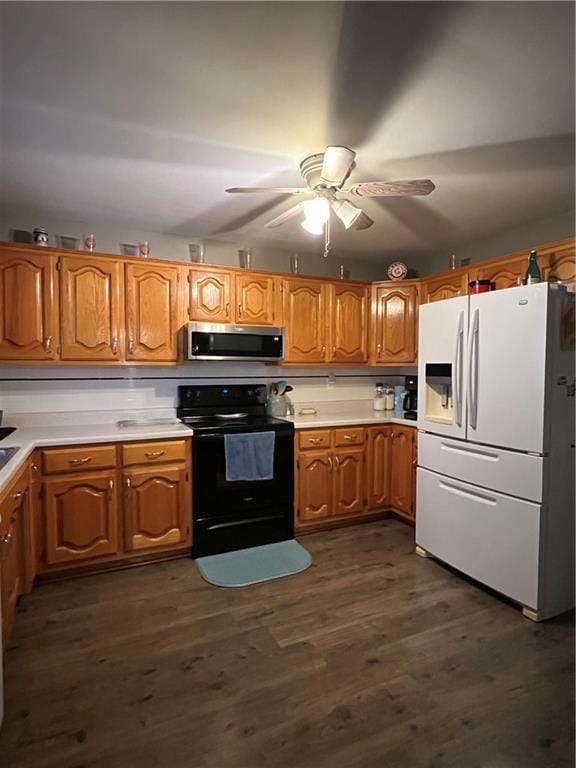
(29, 438)
(356, 414)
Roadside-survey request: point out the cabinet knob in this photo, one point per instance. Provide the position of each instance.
(48, 344)
(130, 345)
(378, 349)
(17, 495)
(114, 345)
(111, 484)
(128, 483)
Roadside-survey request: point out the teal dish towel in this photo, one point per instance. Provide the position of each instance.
(249, 456)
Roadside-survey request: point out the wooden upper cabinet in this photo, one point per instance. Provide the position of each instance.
(402, 470)
(348, 323)
(315, 486)
(29, 327)
(256, 299)
(562, 265)
(306, 321)
(503, 273)
(158, 510)
(446, 286)
(394, 336)
(349, 485)
(211, 296)
(152, 313)
(81, 517)
(378, 467)
(91, 299)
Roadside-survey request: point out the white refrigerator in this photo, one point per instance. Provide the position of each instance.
(495, 478)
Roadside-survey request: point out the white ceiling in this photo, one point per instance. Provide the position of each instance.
(143, 113)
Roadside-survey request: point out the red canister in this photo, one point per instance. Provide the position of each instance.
(479, 286)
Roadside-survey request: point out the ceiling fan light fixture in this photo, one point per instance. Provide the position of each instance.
(346, 211)
(313, 227)
(316, 214)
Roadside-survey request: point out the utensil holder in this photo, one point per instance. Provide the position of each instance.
(277, 405)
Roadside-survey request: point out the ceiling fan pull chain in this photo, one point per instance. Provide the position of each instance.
(327, 237)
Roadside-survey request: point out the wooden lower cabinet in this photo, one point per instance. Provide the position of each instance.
(81, 517)
(156, 507)
(113, 515)
(14, 547)
(375, 474)
(314, 486)
(402, 468)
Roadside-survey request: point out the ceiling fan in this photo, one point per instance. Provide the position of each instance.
(325, 174)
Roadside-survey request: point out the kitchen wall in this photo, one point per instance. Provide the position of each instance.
(529, 235)
(266, 256)
(78, 393)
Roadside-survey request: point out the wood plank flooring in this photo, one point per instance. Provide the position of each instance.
(373, 658)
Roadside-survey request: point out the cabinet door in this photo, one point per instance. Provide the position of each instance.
(306, 320)
(402, 470)
(378, 467)
(12, 561)
(503, 273)
(562, 265)
(349, 481)
(28, 307)
(395, 317)
(152, 313)
(315, 485)
(255, 299)
(348, 324)
(157, 509)
(81, 517)
(210, 297)
(91, 308)
(446, 286)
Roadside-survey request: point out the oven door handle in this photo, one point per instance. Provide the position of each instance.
(248, 521)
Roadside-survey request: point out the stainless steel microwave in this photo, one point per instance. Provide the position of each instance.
(220, 341)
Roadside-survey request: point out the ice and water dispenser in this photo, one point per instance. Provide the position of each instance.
(438, 404)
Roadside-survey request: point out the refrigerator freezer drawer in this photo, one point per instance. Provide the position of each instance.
(492, 538)
(515, 474)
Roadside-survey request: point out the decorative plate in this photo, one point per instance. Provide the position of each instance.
(397, 270)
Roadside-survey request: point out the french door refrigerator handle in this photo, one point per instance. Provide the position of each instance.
(457, 372)
(472, 383)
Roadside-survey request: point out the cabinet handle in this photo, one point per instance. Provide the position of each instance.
(315, 440)
(128, 483)
(337, 460)
(333, 351)
(48, 344)
(227, 309)
(17, 495)
(378, 350)
(76, 462)
(239, 310)
(114, 345)
(6, 538)
(330, 463)
(349, 437)
(323, 349)
(111, 484)
(130, 345)
(153, 454)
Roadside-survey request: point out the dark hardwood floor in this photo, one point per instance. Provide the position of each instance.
(373, 658)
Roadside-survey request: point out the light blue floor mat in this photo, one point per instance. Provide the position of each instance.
(253, 565)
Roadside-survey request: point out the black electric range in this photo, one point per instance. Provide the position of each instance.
(230, 515)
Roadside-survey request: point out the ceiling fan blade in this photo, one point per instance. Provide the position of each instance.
(392, 188)
(272, 190)
(276, 222)
(338, 162)
(362, 222)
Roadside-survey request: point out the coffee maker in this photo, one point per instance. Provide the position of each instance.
(411, 397)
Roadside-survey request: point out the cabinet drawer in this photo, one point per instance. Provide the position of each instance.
(316, 438)
(78, 459)
(349, 436)
(153, 453)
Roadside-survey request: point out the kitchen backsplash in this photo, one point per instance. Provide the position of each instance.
(75, 390)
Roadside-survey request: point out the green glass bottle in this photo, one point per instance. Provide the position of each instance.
(533, 274)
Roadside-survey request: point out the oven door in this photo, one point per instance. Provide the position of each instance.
(216, 341)
(235, 515)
